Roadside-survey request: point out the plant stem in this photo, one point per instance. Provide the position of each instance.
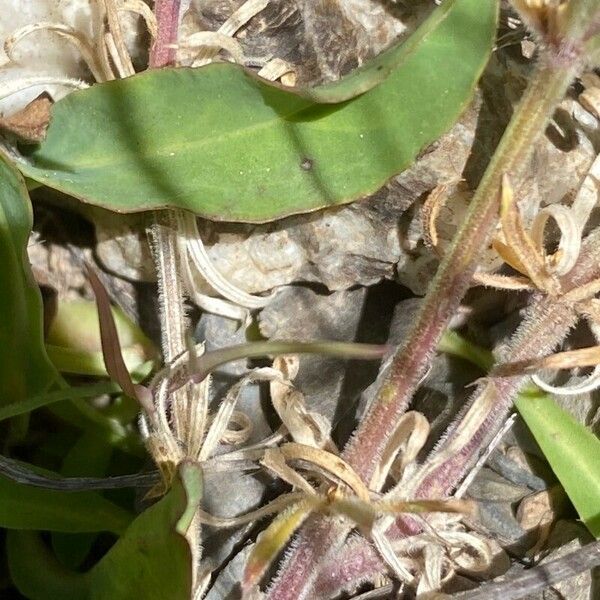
(454, 274)
(545, 323)
(167, 21)
(164, 227)
(164, 248)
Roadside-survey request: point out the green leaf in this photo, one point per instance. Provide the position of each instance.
(37, 574)
(80, 362)
(152, 560)
(571, 449)
(70, 393)
(222, 144)
(27, 507)
(24, 367)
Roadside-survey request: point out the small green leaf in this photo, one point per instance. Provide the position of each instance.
(24, 367)
(27, 507)
(222, 144)
(571, 449)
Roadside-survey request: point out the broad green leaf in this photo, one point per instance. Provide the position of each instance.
(27, 507)
(151, 561)
(570, 448)
(24, 367)
(222, 144)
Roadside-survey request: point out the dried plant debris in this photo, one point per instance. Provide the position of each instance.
(29, 124)
(54, 47)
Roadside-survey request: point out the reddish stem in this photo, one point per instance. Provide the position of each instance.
(455, 273)
(167, 20)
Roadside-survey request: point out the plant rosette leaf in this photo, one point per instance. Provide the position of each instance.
(25, 370)
(152, 560)
(221, 143)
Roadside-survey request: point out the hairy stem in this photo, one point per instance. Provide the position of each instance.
(546, 323)
(167, 21)
(164, 233)
(454, 274)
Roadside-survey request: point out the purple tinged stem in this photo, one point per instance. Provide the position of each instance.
(167, 20)
(455, 273)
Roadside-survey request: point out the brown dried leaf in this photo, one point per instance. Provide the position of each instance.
(275, 462)
(333, 464)
(518, 249)
(31, 122)
(305, 427)
(405, 443)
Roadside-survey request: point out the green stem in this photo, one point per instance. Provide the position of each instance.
(454, 275)
(455, 345)
(346, 350)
